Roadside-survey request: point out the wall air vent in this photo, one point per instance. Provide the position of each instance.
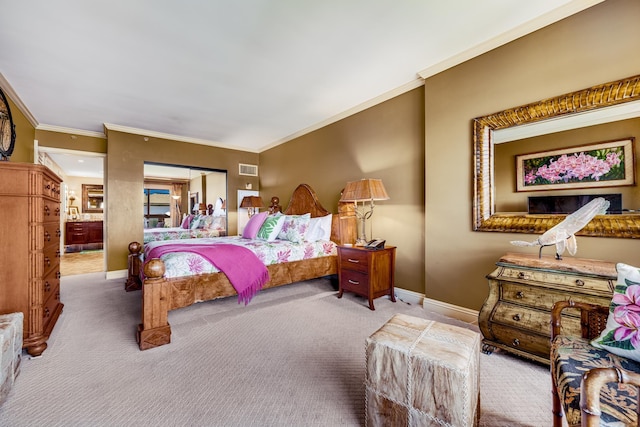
(248, 170)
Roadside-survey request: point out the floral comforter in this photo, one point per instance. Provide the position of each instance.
(177, 233)
(180, 264)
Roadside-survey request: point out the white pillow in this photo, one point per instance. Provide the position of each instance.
(319, 228)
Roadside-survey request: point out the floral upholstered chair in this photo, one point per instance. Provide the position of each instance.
(595, 377)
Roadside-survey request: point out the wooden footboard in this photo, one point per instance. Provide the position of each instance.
(160, 295)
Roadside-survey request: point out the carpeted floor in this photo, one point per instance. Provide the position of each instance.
(293, 357)
(73, 263)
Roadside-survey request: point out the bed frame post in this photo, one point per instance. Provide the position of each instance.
(154, 330)
(133, 268)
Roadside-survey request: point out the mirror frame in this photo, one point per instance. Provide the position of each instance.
(484, 216)
(86, 188)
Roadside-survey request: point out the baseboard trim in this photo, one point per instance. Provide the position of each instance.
(450, 310)
(117, 274)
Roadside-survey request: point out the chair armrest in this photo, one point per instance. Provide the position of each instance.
(592, 382)
(593, 317)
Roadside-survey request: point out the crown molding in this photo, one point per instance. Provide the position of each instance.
(416, 83)
(71, 131)
(162, 135)
(8, 91)
(542, 21)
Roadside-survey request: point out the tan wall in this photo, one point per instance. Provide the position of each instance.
(68, 141)
(386, 142)
(124, 176)
(592, 47)
(25, 135)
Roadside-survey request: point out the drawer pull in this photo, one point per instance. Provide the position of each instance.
(355, 261)
(521, 275)
(47, 236)
(47, 287)
(516, 342)
(47, 313)
(58, 275)
(579, 282)
(47, 261)
(516, 317)
(46, 210)
(519, 294)
(48, 187)
(58, 253)
(353, 282)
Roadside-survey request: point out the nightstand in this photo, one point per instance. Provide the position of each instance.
(367, 272)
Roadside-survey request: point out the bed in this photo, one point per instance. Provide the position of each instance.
(210, 223)
(177, 233)
(160, 293)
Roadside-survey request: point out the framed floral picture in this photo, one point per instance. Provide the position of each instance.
(604, 164)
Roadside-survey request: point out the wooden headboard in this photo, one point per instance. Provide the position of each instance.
(304, 200)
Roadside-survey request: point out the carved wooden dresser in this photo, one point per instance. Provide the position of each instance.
(30, 249)
(522, 289)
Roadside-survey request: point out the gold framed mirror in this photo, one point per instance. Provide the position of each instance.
(92, 198)
(485, 218)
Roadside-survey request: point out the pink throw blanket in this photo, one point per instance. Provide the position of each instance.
(244, 270)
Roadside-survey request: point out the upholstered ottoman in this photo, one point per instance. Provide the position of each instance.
(11, 347)
(422, 373)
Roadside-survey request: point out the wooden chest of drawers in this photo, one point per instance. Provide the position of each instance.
(522, 289)
(30, 249)
(369, 273)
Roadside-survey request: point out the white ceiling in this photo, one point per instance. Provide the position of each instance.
(245, 74)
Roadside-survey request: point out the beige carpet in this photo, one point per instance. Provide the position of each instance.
(73, 263)
(293, 357)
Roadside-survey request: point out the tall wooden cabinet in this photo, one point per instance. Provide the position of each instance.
(30, 249)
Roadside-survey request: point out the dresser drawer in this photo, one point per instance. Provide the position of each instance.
(51, 211)
(571, 283)
(51, 188)
(531, 319)
(354, 281)
(50, 283)
(51, 258)
(51, 233)
(538, 345)
(50, 306)
(354, 259)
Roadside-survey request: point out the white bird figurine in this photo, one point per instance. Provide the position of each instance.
(563, 234)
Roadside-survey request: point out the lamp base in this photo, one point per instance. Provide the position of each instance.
(361, 242)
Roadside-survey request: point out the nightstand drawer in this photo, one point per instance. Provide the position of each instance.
(357, 260)
(355, 281)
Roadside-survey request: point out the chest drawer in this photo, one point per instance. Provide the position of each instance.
(50, 211)
(543, 298)
(50, 283)
(531, 319)
(522, 341)
(571, 282)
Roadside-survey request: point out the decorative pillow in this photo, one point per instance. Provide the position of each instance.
(271, 228)
(186, 222)
(206, 221)
(622, 333)
(218, 223)
(319, 228)
(196, 222)
(254, 224)
(294, 228)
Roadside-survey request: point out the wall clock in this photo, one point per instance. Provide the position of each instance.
(7, 129)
